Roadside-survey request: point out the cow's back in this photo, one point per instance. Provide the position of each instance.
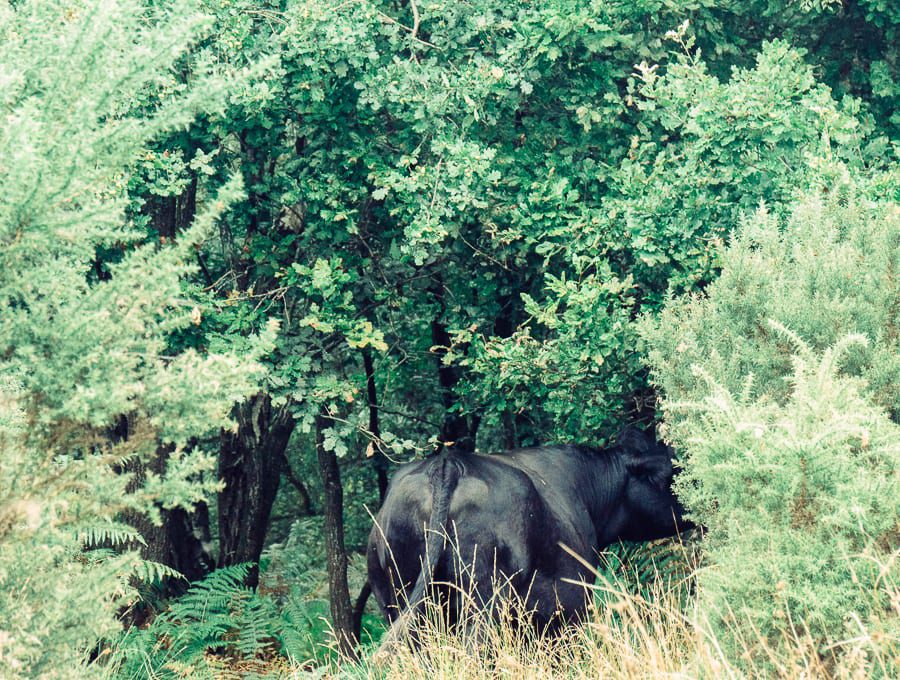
(564, 477)
(501, 529)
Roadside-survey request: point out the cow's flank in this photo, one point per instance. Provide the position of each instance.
(506, 516)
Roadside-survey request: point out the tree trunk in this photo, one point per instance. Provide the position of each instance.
(306, 507)
(181, 543)
(381, 468)
(379, 459)
(456, 430)
(338, 590)
(182, 540)
(170, 215)
(250, 464)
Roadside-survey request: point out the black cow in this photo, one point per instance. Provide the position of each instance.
(507, 515)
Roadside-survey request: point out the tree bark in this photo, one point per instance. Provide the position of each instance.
(170, 215)
(177, 542)
(456, 430)
(181, 541)
(336, 553)
(379, 459)
(381, 467)
(250, 464)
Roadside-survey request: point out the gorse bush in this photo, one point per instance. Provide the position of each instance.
(780, 390)
(84, 342)
(827, 270)
(802, 499)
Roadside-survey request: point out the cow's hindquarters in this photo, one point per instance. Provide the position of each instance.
(404, 549)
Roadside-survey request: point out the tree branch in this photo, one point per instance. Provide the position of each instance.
(297, 483)
(414, 32)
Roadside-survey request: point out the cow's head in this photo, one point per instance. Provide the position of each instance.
(651, 509)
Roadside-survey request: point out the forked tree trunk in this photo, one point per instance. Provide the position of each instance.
(335, 551)
(250, 465)
(178, 542)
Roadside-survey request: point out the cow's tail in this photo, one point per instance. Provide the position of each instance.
(443, 476)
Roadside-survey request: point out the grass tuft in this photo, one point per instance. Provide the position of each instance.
(635, 630)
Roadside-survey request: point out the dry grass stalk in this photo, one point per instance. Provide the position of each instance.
(661, 633)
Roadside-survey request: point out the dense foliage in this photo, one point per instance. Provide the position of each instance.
(781, 387)
(254, 253)
(553, 168)
(86, 341)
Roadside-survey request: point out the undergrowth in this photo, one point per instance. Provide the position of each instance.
(222, 629)
(646, 621)
(636, 630)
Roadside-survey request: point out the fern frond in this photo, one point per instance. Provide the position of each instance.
(212, 595)
(109, 534)
(148, 571)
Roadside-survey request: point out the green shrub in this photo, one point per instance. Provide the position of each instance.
(221, 625)
(780, 385)
(84, 340)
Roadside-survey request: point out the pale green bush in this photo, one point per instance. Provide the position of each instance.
(779, 386)
(81, 345)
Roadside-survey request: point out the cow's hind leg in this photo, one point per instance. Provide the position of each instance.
(484, 589)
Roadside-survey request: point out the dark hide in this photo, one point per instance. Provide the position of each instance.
(506, 516)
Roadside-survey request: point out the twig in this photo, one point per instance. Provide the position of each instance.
(484, 254)
(415, 27)
(203, 268)
(392, 20)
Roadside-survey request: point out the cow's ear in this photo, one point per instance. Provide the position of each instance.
(655, 469)
(637, 441)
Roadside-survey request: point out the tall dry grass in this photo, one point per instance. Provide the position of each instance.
(634, 631)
